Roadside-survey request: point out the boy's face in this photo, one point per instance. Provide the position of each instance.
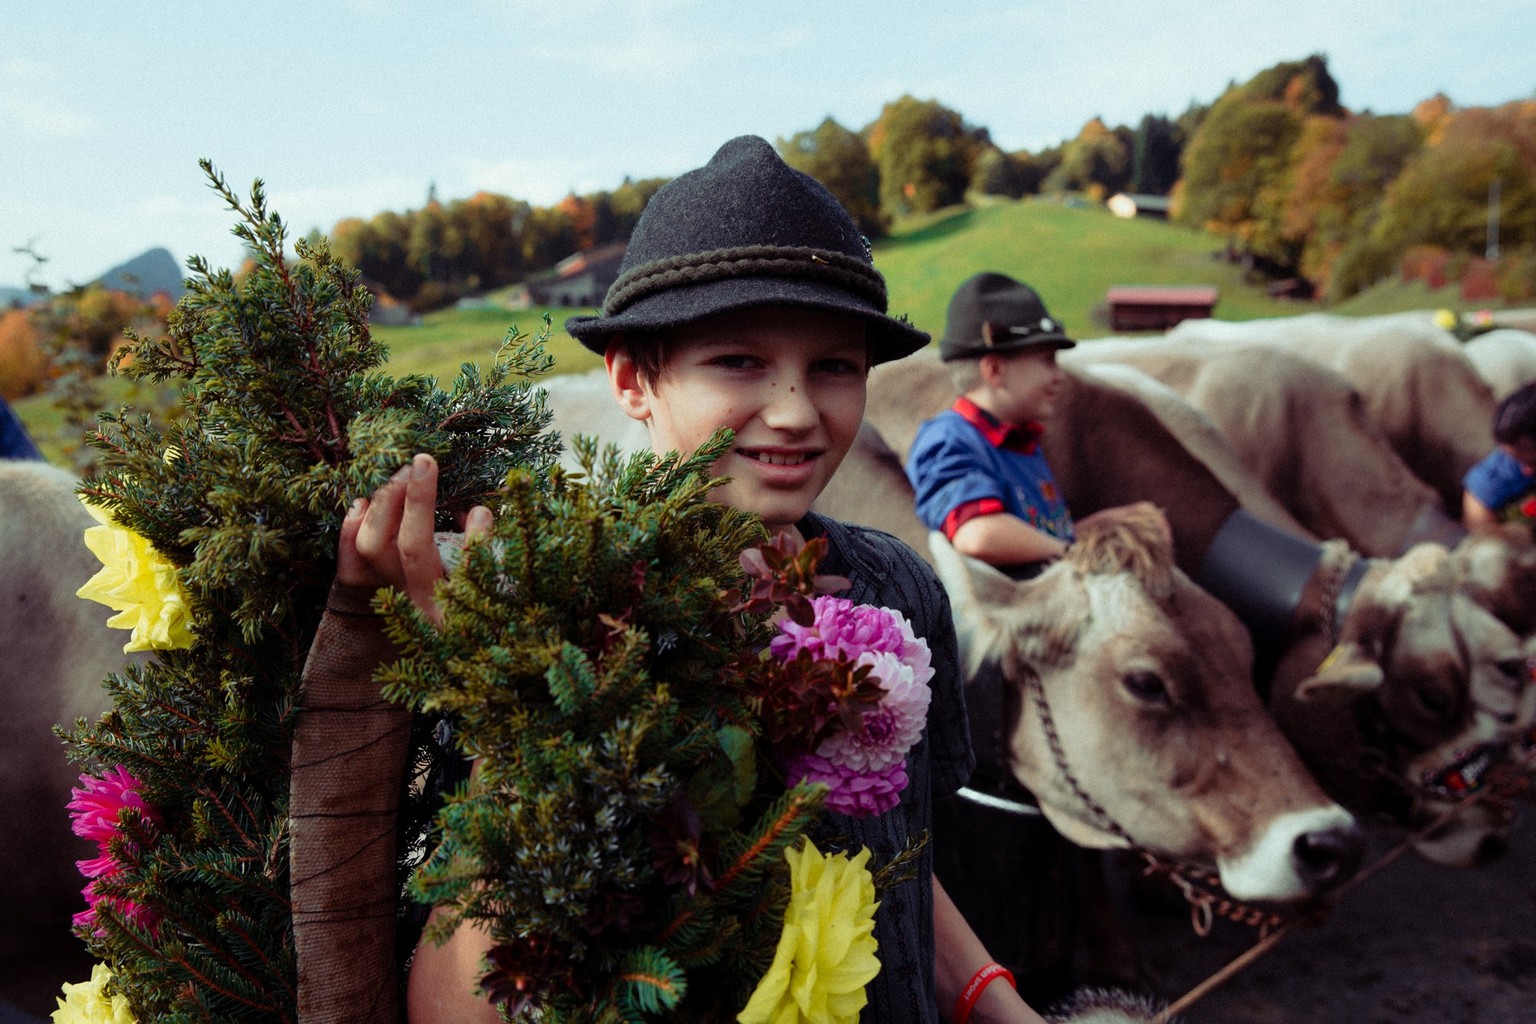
(790, 383)
(1025, 386)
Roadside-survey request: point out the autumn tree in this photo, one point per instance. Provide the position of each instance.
(840, 160)
(550, 237)
(925, 153)
(582, 214)
(1341, 256)
(1097, 161)
(1237, 167)
(1442, 196)
(999, 173)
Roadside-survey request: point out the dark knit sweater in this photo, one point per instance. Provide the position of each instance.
(886, 573)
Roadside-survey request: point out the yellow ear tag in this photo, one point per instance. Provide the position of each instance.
(1333, 656)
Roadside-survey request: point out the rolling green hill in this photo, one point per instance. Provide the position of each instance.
(1071, 254)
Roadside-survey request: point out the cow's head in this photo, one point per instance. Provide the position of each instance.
(1439, 691)
(1147, 680)
(1496, 567)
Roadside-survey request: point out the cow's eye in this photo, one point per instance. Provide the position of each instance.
(1433, 700)
(1514, 669)
(1146, 686)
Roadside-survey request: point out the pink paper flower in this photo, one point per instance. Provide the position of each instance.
(96, 811)
(849, 791)
(97, 804)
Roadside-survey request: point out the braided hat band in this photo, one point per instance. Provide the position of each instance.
(844, 271)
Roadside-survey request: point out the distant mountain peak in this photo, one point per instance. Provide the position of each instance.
(146, 274)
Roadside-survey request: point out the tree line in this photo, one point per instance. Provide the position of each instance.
(1299, 187)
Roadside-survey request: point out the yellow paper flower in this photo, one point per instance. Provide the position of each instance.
(826, 953)
(1445, 319)
(138, 583)
(88, 1002)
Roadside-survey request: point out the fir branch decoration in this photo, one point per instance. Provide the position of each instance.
(286, 417)
(618, 832)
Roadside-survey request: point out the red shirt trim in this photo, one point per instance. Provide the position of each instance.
(964, 513)
(1012, 437)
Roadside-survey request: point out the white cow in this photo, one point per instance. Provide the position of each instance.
(1505, 358)
(1417, 383)
(58, 650)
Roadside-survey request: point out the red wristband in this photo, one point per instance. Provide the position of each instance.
(975, 987)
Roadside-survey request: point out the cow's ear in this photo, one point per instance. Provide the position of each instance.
(1348, 669)
(976, 594)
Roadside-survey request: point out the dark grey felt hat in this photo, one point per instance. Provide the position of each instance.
(994, 313)
(745, 230)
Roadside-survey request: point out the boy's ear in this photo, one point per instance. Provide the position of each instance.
(629, 390)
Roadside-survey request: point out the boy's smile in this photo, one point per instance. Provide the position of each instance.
(790, 382)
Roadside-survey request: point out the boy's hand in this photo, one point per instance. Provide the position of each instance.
(388, 542)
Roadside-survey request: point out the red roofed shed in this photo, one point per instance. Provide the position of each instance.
(1157, 308)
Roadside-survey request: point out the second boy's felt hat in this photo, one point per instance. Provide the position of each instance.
(745, 230)
(992, 312)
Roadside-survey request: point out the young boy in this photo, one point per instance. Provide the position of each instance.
(748, 300)
(977, 468)
(1508, 473)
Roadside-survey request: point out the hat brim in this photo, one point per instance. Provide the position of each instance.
(975, 350)
(889, 338)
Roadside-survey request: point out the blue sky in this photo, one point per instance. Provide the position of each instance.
(349, 107)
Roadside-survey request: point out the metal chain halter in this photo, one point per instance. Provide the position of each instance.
(1195, 883)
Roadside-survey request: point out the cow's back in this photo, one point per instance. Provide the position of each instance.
(1417, 385)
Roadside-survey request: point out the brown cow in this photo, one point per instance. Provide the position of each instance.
(1417, 384)
(1135, 717)
(1302, 430)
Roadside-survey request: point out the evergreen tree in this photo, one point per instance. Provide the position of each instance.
(286, 419)
(590, 651)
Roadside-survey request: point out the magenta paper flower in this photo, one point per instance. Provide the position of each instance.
(98, 803)
(889, 729)
(96, 811)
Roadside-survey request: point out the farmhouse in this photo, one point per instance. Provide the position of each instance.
(1157, 308)
(1135, 204)
(578, 280)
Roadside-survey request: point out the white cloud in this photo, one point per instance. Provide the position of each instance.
(42, 119)
(540, 182)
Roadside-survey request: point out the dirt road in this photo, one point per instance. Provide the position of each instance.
(1413, 943)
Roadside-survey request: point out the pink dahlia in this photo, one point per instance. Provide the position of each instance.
(841, 627)
(889, 729)
(855, 793)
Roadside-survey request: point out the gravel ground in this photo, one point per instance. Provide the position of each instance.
(1414, 942)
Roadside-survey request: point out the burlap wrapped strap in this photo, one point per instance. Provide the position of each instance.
(349, 762)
